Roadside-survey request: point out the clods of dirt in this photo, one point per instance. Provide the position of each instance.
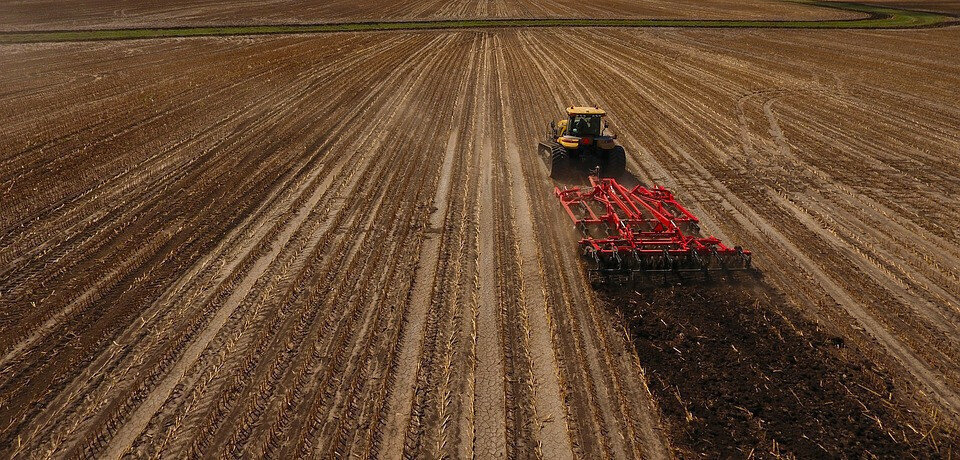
(737, 375)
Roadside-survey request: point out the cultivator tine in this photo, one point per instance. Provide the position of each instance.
(697, 261)
(636, 231)
(745, 257)
(668, 261)
(615, 263)
(637, 261)
(719, 260)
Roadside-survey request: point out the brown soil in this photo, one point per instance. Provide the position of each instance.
(85, 14)
(312, 246)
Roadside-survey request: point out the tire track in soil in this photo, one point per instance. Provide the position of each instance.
(146, 410)
(858, 200)
(85, 299)
(490, 400)
(138, 125)
(621, 397)
(78, 211)
(73, 246)
(318, 171)
(351, 251)
(941, 392)
(447, 339)
(249, 280)
(431, 262)
(879, 258)
(948, 326)
(882, 214)
(422, 189)
(562, 294)
(341, 200)
(318, 428)
(582, 412)
(755, 224)
(615, 103)
(524, 424)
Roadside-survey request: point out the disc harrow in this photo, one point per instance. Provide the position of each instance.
(643, 230)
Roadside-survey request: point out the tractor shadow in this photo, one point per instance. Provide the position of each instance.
(582, 179)
(613, 286)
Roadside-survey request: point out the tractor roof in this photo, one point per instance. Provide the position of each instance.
(572, 110)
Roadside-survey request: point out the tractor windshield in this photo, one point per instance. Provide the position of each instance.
(585, 125)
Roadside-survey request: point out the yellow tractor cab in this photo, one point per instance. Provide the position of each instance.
(583, 142)
(581, 123)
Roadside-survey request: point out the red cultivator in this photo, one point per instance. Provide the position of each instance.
(629, 231)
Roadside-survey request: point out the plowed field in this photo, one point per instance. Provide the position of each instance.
(346, 245)
(46, 14)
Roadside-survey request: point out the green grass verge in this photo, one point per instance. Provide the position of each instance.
(876, 17)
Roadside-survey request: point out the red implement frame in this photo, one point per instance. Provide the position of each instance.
(643, 230)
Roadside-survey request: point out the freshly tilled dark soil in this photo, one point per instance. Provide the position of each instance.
(736, 373)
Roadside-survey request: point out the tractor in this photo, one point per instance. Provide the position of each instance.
(625, 231)
(582, 144)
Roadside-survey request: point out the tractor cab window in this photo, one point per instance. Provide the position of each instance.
(584, 125)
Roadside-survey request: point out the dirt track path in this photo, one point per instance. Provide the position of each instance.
(349, 247)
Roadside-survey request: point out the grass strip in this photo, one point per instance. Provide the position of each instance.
(876, 17)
